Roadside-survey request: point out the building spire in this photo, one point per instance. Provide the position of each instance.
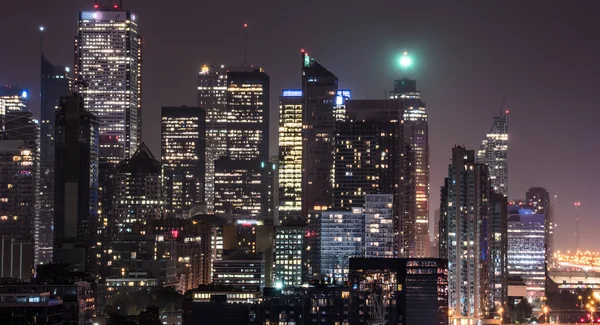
(246, 63)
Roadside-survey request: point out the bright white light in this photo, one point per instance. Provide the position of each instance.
(278, 285)
(67, 69)
(24, 94)
(41, 28)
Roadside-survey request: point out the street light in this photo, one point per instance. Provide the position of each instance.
(501, 311)
(546, 315)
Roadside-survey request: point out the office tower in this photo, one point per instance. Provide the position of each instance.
(379, 226)
(17, 190)
(465, 220)
(76, 185)
(13, 99)
(498, 249)
(108, 68)
(396, 176)
(539, 198)
(319, 88)
(138, 192)
(289, 244)
(212, 97)
(365, 161)
(526, 249)
(183, 151)
(392, 291)
(494, 153)
(435, 234)
(241, 175)
(341, 237)
(55, 83)
(290, 153)
(416, 138)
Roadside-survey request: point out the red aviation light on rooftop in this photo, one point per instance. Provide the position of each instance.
(302, 50)
(116, 6)
(245, 25)
(95, 6)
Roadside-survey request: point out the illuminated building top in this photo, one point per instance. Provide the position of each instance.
(494, 153)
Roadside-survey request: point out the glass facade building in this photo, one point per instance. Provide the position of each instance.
(212, 97)
(319, 89)
(464, 236)
(416, 138)
(494, 153)
(289, 244)
(379, 225)
(290, 153)
(55, 83)
(76, 185)
(341, 237)
(108, 69)
(183, 156)
(527, 249)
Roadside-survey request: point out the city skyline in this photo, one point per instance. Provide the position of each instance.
(530, 164)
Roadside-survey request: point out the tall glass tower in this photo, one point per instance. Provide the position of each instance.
(108, 70)
(494, 153)
(416, 138)
(290, 153)
(319, 88)
(212, 97)
(55, 83)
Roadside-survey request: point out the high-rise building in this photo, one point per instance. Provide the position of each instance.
(289, 244)
(319, 89)
(183, 152)
(539, 198)
(526, 249)
(364, 161)
(13, 99)
(138, 193)
(341, 237)
(108, 66)
(494, 153)
(379, 226)
(465, 224)
(17, 190)
(498, 248)
(393, 163)
(55, 83)
(241, 176)
(76, 185)
(290, 153)
(212, 97)
(416, 138)
(19, 147)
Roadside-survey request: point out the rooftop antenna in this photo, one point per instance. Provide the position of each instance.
(246, 63)
(42, 39)
(502, 106)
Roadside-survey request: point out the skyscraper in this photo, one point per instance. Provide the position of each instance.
(365, 161)
(539, 199)
(289, 243)
(241, 175)
(379, 226)
(494, 153)
(290, 153)
(55, 83)
(212, 97)
(526, 249)
(319, 88)
(76, 185)
(464, 222)
(183, 151)
(13, 99)
(138, 193)
(416, 138)
(108, 64)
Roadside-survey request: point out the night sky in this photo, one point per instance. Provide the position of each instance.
(543, 56)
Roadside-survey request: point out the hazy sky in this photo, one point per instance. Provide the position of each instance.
(542, 55)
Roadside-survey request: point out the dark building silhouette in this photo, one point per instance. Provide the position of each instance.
(76, 185)
(393, 291)
(55, 83)
(319, 88)
(183, 147)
